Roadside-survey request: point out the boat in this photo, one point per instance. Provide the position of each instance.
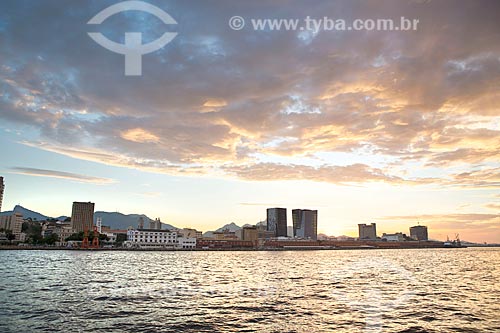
(456, 243)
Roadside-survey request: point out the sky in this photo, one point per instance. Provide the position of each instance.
(391, 127)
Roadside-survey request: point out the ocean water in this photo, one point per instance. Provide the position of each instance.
(424, 290)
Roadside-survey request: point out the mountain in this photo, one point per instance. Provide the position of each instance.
(233, 227)
(121, 221)
(113, 220)
(26, 213)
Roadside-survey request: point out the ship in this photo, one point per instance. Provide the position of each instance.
(456, 243)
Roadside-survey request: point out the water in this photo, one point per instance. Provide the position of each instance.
(428, 290)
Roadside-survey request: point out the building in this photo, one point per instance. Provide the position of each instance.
(12, 222)
(140, 224)
(397, 237)
(154, 225)
(98, 224)
(224, 244)
(158, 239)
(112, 234)
(64, 230)
(305, 223)
(186, 243)
(189, 233)
(151, 238)
(2, 187)
(419, 232)
(82, 216)
(276, 221)
(367, 231)
(250, 234)
(225, 234)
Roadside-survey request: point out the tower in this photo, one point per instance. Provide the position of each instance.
(367, 232)
(305, 223)
(82, 216)
(95, 240)
(276, 221)
(419, 232)
(98, 224)
(2, 186)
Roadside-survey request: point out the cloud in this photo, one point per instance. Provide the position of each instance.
(140, 135)
(217, 100)
(62, 175)
(483, 178)
(150, 194)
(493, 206)
(342, 175)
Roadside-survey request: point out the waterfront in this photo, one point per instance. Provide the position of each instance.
(424, 290)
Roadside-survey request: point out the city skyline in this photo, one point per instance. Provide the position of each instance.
(304, 224)
(389, 127)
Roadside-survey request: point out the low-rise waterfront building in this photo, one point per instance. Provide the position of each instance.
(224, 244)
(189, 233)
(186, 243)
(397, 237)
(157, 239)
(226, 234)
(64, 230)
(250, 234)
(112, 234)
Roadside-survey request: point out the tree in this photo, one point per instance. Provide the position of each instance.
(51, 239)
(10, 236)
(33, 231)
(76, 237)
(79, 237)
(120, 238)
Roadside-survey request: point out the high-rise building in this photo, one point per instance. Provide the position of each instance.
(276, 221)
(140, 224)
(305, 223)
(367, 231)
(155, 225)
(2, 186)
(82, 216)
(12, 222)
(419, 232)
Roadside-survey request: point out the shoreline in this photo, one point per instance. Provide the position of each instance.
(34, 248)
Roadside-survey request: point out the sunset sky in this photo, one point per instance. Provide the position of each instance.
(392, 127)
